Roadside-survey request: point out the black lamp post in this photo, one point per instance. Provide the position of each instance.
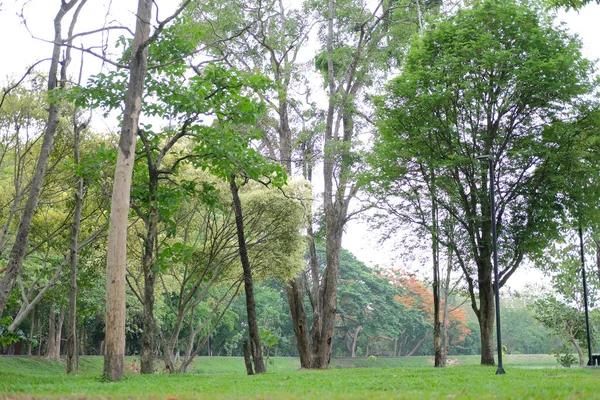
(490, 159)
(585, 298)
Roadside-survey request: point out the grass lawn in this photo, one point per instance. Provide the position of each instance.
(528, 377)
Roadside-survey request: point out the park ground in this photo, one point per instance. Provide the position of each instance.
(527, 377)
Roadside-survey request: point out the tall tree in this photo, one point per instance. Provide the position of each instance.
(117, 252)
(479, 84)
(116, 258)
(57, 80)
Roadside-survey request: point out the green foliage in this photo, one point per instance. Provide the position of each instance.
(564, 355)
(497, 79)
(570, 4)
(7, 337)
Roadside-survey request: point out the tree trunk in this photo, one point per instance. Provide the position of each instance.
(439, 359)
(355, 341)
(73, 261)
(147, 352)
(59, 329)
(51, 341)
(486, 317)
(446, 293)
(247, 360)
(31, 329)
(19, 249)
(40, 335)
(117, 236)
(575, 344)
(417, 346)
(255, 344)
(597, 243)
(322, 341)
(299, 321)
(55, 334)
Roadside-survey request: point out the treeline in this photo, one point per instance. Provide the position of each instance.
(381, 314)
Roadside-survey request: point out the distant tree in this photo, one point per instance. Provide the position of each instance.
(564, 320)
(56, 82)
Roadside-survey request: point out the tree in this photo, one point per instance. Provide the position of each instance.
(566, 321)
(490, 80)
(55, 84)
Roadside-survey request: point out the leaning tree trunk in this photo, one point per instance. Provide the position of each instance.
(580, 356)
(117, 236)
(19, 249)
(255, 344)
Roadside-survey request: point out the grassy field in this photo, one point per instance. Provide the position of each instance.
(528, 377)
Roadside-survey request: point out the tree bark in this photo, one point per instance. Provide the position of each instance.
(19, 249)
(299, 321)
(147, 352)
(439, 359)
(486, 316)
(255, 344)
(31, 328)
(73, 261)
(417, 346)
(117, 236)
(247, 360)
(51, 342)
(446, 293)
(355, 340)
(580, 356)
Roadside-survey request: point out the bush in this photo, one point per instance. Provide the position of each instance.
(563, 356)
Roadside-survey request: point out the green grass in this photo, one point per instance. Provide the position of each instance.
(528, 377)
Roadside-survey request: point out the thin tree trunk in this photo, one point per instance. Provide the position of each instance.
(31, 329)
(51, 341)
(255, 344)
(147, 352)
(117, 237)
(59, 329)
(355, 340)
(73, 261)
(439, 359)
(40, 335)
(575, 344)
(417, 346)
(446, 294)
(19, 249)
(247, 359)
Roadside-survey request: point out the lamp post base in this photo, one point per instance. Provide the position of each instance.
(500, 371)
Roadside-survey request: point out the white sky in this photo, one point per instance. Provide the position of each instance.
(19, 50)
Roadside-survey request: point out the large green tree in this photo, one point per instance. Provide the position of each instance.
(489, 81)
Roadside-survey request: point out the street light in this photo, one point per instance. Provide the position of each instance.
(585, 298)
(490, 159)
